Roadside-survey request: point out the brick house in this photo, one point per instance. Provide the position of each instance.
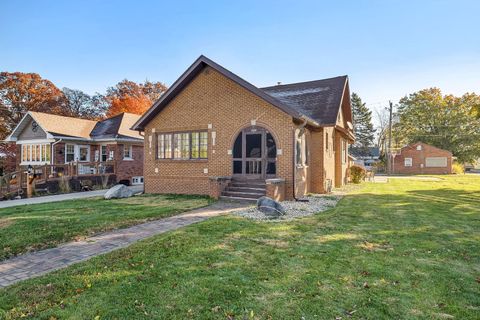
(72, 146)
(422, 158)
(214, 133)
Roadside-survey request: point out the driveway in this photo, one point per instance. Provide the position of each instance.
(61, 197)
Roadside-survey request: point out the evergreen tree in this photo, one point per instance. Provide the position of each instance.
(362, 123)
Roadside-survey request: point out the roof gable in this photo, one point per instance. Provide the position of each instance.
(55, 126)
(188, 76)
(318, 102)
(423, 144)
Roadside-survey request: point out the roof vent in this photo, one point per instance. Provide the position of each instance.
(279, 83)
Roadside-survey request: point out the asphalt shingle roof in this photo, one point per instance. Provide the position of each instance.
(319, 100)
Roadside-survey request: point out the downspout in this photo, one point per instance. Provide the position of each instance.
(300, 127)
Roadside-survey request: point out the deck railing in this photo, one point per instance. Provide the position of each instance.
(15, 181)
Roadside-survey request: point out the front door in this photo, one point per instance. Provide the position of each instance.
(254, 154)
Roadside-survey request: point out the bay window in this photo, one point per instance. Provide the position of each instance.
(182, 145)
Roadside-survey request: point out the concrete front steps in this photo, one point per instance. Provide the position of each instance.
(244, 190)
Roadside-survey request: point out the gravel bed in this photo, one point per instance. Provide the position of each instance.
(295, 209)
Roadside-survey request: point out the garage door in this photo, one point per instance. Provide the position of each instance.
(436, 162)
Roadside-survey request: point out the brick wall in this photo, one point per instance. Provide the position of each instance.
(213, 99)
(341, 165)
(316, 162)
(418, 158)
(126, 169)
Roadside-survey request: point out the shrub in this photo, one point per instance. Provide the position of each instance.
(458, 168)
(357, 174)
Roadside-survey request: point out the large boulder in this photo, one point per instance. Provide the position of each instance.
(270, 207)
(118, 191)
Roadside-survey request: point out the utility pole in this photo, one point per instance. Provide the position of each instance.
(389, 150)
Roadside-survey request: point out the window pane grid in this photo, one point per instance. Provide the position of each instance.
(182, 145)
(35, 153)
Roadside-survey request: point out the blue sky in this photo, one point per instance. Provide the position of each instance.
(388, 48)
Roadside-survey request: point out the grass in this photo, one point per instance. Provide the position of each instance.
(39, 226)
(408, 249)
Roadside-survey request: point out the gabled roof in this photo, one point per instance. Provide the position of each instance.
(414, 146)
(298, 100)
(57, 126)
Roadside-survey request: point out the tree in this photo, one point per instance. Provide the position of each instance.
(23, 92)
(80, 104)
(129, 96)
(131, 104)
(444, 121)
(362, 123)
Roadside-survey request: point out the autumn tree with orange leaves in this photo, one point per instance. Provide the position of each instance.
(132, 97)
(23, 92)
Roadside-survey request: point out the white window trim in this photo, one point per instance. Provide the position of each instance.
(88, 153)
(43, 144)
(405, 162)
(76, 152)
(106, 149)
(65, 152)
(130, 147)
(138, 178)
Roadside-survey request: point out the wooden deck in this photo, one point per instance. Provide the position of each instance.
(16, 182)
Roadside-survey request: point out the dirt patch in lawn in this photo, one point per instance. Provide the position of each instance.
(5, 223)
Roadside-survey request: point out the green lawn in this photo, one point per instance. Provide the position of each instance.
(403, 250)
(33, 227)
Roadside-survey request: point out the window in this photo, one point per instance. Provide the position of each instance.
(199, 145)
(69, 152)
(333, 142)
(182, 145)
(35, 153)
(137, 180)
(344, 151)
(408, 162)
(326, 141)
(103, 153)
(84, 153)
(436, 162)
(127, 152)
(164, 146)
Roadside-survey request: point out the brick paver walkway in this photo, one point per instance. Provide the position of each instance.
(41, 262)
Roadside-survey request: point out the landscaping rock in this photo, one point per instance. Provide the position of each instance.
(270, 207)
(309, 205)
(118, 191)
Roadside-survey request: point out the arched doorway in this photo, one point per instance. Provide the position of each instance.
(254, 154)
